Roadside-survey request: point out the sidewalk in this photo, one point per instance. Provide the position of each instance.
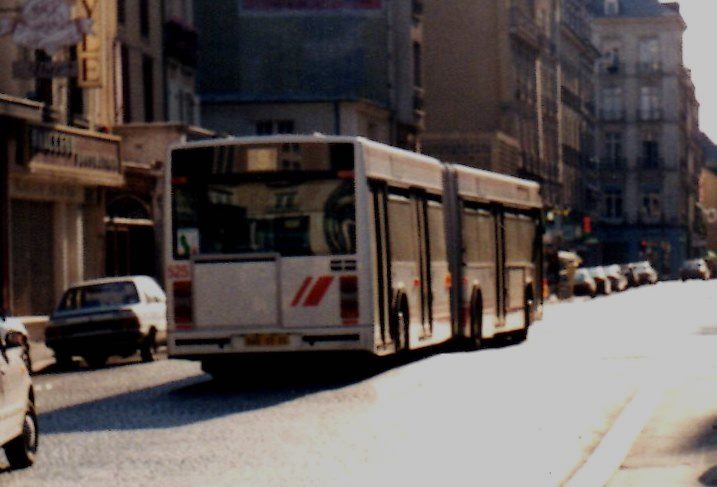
(678, 445)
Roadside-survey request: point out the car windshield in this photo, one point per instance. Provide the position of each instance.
(99, 296)
(693, 264)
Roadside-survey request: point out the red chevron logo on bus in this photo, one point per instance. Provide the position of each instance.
(315, 294)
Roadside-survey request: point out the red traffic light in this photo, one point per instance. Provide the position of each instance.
(587, 224)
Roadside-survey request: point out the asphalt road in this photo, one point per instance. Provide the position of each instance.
(533, 414)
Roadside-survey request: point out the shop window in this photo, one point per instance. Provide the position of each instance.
(148, 87)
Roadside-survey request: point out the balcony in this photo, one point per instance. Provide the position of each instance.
(611, 67)
(612, 115)
(613, 163)
(650, 162)
(180, 42)
(652, 67)
(652, 114)
(524, 28)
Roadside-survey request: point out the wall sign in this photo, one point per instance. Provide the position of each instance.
(84, 158)
(46, 25)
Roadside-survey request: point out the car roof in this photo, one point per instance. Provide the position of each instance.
(108, 280)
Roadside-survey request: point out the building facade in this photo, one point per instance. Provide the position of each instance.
(648, 144)
(79, 183)
(492, 91)
(342, 67)
(581, 191)
(57, 158)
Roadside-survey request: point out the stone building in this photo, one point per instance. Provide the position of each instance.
(57, 159)
(75, 76)
(650, 159)
(581, 191)
(492, 89)
(341, 67)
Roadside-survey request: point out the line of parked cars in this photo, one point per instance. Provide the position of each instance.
(591, 281)
(95, 320)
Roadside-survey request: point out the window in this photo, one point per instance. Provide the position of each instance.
(649, 103)
(613, 148)
(285, 127)
(43, 86)
(417, 77)
(613, 203)
(612, 103)
(270, 127)
(649, 54)
(611, 56)
(121, 12)
(148, 87)
(75, 95)
(436, 232)
(650, 208)
(144, 17)
(650, 151)
(126, 85)
(612, 7)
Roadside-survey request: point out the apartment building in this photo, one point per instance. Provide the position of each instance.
(351, 67)
(78, 181)
(581, 190)
(648, 137)
(492, 91)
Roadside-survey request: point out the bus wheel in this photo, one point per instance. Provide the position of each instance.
(476, 318)
(400, 320)
(521, 335)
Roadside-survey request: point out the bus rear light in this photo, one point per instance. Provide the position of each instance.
(182, 294)
(348, 286)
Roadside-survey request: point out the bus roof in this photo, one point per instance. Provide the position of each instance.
(489, 186)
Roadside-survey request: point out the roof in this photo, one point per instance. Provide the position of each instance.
(635, 8)
(107, 280)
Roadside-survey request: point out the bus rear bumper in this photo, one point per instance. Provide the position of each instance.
(196, 344)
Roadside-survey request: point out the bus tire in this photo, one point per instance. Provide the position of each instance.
(476, 318)
(400, 319)
(521, 335)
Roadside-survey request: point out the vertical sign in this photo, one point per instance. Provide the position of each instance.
(89, 52)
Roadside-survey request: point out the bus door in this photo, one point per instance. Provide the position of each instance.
(500, 251)
(406, 217)
(424, 262)
(381, 257)
(519, 232)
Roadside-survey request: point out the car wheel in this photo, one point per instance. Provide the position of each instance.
(20, 452)
(149, 346)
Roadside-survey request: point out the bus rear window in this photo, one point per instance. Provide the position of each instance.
(295, 199)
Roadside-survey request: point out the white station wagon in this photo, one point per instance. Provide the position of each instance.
(111, 316)
(18, 420)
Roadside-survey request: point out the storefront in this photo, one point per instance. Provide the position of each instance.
(54, 180)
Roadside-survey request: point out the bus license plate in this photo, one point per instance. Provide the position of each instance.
(266, 340)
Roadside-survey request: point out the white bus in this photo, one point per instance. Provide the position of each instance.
(330, 243)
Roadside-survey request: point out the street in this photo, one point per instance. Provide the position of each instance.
(573, 405)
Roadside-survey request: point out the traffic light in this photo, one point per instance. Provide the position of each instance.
(643, 245)
(587, 225)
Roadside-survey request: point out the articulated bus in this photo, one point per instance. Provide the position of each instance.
(284, 244)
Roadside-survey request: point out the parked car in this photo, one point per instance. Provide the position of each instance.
(618, 281)
(646, 274)
(601, 280)
(111, 316)
(583, 283)
(695, 269)
(630, 272)
(18, 420)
